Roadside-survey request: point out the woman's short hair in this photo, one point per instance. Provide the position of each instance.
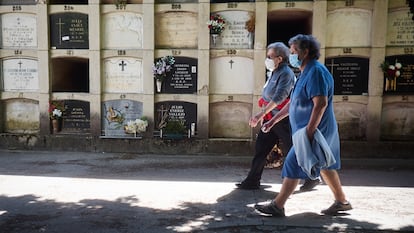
(281, 50)
(303, 42)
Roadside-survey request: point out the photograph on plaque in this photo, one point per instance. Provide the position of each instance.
(18, 30)
(350, 74)
(69, 31)
(76, 116)
(183, 77)
(181, 111)
(116, 115)
(398, 73)
(20, 74)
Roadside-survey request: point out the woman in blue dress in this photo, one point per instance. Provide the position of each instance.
(310, 111)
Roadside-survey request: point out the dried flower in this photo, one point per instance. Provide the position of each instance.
(250, 24)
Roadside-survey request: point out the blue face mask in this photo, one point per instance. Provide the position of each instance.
(294, 60)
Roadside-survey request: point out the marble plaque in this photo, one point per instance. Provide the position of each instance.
(18, 2)
(176, 29)
(404, 84)
(230, 120)
(20, 75)
(235, 35)
(123, 75)
(175, 110)
(69, 31)
(350, 74)
(184, 76)
(231, 75)
(18, 30)
(400, 28)
(116, 114)
(76, 117)
(21, 116)
(397, 121)
(348, 27)
(122, 30)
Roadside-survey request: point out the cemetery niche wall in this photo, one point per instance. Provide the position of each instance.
(399, 74)
(70, 74)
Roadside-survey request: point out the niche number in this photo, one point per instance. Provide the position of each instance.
(289, 4)
(231, 5)
(17, 8)
(231, 51)
(176, 52)
(347, 50)
(68, 8)
(175, 6)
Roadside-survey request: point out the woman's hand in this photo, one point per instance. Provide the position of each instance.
(255, 119)
(268, 125)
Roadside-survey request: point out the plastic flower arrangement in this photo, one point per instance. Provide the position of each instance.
(162, 67)
(137, 126)
(216, 24)
(391, 71)
(56, 109)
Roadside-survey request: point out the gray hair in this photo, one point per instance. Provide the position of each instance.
(280, 50)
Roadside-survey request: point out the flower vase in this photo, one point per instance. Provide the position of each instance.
(250, 37)
(55, 125)
(159, 84)
(214, 38)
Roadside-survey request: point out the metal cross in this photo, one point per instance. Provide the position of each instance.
(20, 64)
(332, 65)
(60, 30)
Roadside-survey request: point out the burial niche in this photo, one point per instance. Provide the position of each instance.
(74, 2)
(70, 74)
(287, 24)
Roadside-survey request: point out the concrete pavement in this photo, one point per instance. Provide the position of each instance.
(112, 192)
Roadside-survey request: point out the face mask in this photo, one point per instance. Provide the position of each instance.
(270, 64)
(294, 60)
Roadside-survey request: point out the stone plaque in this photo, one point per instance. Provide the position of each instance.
(20, 75)
(235, 35)
(352, 120)
(76, 117)
(348, 27)
(231, 75)
(21, 116)
(404, 84)
(123, 75)
(18, 2)
(230, 120)
(69, 31)
(18, 30)
(116, 114)
(400, 28)
(176, 29)
(122, 30)
(184, 76)
(350, 74)
(175, 110)
(397, 121)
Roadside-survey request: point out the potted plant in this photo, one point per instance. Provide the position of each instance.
(56, 109)
(174, 129)
(161, 68)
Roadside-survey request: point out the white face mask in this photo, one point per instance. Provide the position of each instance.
(270, 64)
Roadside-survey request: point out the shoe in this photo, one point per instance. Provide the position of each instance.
(337, 207)
(244, 185)
(271, 209)
(309, 185)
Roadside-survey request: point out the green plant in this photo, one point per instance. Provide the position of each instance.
(175, 127)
